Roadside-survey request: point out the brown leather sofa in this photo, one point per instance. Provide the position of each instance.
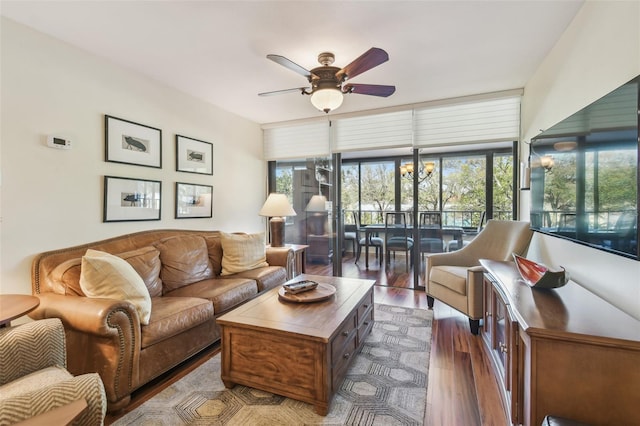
(106, 336)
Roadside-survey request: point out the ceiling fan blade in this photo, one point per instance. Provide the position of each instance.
(287, 63)
(281, 92)
(369, 59)
(370, 89)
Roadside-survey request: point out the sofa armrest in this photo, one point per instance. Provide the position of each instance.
(30, 347)
(103, 336)
(281, 256)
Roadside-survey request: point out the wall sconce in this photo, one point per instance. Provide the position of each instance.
(525, 176)
(547, 162)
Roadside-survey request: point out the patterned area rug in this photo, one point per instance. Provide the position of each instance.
(386, 385)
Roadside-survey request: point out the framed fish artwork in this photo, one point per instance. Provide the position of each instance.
(194, 156)
(132, 143)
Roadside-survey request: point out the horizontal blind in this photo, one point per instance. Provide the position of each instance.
(387, 130)
(300, 141)
(475, 121)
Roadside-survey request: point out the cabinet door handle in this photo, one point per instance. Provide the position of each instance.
(366, 323)
(346, 356)
(345, 333)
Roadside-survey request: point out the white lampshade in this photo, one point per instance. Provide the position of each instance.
(317, 203)
(327, 99)
(277, 205)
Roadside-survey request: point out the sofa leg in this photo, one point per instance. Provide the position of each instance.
(430, 301)
(115, 406)
(475, 326)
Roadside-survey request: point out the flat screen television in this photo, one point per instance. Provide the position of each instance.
(584, 174)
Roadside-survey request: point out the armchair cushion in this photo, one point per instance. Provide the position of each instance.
(242, 252)
(33, 378)
(43, 398)
(452, 277)
(104, 275)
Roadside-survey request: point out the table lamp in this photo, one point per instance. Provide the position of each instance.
(277, 207)
(318, 208)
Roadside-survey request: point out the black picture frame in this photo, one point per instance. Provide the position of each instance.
(194, 155)
(193, 201)
(131, 199)
(133, 143)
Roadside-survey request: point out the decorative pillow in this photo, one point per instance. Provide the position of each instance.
(242, 252)
(105, 275)
(185, 260)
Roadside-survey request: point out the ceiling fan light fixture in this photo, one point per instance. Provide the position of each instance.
(327, 99)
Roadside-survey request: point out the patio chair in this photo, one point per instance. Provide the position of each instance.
(374, 241)
(397, 237)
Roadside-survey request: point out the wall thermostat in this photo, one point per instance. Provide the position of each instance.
(58, 142)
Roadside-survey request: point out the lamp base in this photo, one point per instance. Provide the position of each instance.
(277, 231)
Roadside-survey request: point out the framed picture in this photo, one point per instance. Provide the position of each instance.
(194, 156)
(129, 199)
(132, 143)
(193, 200)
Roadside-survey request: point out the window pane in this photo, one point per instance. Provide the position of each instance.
(502, 186)
(463, 189)
(377, 185)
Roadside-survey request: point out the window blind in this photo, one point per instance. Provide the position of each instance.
(300, 141)
(470, 122)
(387, 130)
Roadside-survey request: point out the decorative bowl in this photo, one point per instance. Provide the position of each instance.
(537, 275)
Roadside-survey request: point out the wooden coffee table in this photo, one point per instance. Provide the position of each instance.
(298, 350)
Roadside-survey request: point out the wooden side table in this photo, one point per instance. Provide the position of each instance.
(13, 306)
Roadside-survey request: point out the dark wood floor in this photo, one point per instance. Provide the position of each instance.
(462, 389)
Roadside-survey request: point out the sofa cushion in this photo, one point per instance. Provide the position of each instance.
(66, 277)
(267, 277)
(242, 252)
(214, 246)
(452, 277)
(104, 275)
(171, 316)
(185, 260)
(225, 293)
(146, 262)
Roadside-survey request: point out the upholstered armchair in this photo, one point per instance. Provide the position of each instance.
(455, 278)
(34, 379)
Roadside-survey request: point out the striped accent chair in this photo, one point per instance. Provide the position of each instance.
(34, 379)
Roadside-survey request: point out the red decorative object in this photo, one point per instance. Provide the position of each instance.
(537, 275)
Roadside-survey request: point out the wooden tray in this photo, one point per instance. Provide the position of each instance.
(322, 292)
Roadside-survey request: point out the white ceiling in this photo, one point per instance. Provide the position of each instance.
(216, 50)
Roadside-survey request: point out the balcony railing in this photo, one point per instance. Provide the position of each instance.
(468, 219)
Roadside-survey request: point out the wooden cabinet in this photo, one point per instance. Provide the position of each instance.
(565, 351)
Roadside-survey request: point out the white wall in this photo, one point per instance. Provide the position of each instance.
(599, 52)
(53, 198)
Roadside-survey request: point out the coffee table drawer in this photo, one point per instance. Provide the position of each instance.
(345, 335)
(365, 324)
(341, 362)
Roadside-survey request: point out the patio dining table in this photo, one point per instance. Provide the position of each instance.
(377, 228)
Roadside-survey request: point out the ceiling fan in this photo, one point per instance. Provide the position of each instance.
(327, 82)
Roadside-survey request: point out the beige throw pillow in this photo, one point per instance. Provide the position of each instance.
(242, 252)
(104, 275)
